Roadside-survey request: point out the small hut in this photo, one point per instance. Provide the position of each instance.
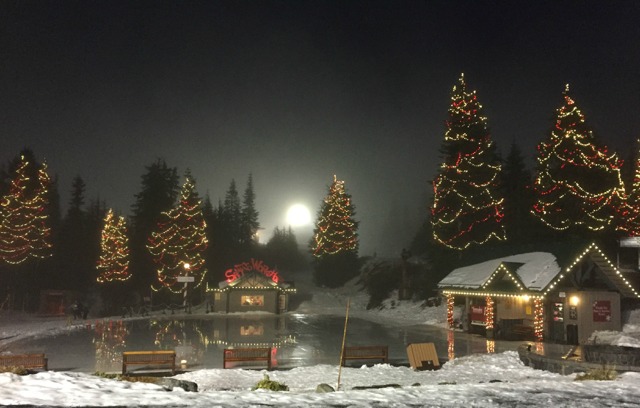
(252, 287)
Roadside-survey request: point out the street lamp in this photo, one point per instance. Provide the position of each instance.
(187, 268)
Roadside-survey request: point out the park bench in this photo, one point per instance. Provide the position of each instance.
(522, 332)
(28, 361)
(365, 353)
(247, 355)
(149, 358)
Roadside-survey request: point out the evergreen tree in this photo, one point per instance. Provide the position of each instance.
(221, 252)
(74, 243)
(93, 225)
(76, 203)
(113, 264)
(578, 186)
(249, 215)
(467, 207)
(160, 187)
(516, 187)
(282, 250)
(54, 211)
(335, 238)
(233, 214)
(24, 228)
(179, 242)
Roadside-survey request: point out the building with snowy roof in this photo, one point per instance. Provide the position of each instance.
(530, 296)
(251, 286)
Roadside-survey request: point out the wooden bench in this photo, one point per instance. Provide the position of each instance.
(28, 361)
(522, 332)
(149, 358)
(247, 354)
(366, 353)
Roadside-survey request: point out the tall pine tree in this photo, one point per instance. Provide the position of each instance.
(179, 241)
(160, 188)
(578, 185)
(282, 250)
(467, 206)
(249, 215)
(24, 228)
(516, 188)
(335, 238)
(113, 264)
(74, 252)
(233, 215)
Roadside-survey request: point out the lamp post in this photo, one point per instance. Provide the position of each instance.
(187, 268)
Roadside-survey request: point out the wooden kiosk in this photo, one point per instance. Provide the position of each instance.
(530, 297)
(252, 287)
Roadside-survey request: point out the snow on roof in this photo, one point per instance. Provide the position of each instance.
(536, 271)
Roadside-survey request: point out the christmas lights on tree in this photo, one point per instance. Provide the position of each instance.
(630, 211)
(335, 238)
(450, 303)
(467, 209)
(113, 264)
(578, 182)
(489, 313)
(336, 230)
(538, 319)
(24, 229)
(179, 241)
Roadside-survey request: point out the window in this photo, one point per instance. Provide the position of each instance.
(252, 300)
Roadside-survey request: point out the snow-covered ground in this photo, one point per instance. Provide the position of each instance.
(477, 380)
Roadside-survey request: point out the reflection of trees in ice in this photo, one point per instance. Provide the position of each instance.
(110, 341)
(185, 337)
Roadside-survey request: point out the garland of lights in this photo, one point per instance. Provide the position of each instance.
(336, 230)
(450, 302)
(578, 182)
(24, 229)
(451, 351)
(590, 248)
(489, 313)
(538, 319)
(179, 241)
(466, 206)
(113, 264)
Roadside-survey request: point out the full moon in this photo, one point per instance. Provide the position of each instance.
(298, 215)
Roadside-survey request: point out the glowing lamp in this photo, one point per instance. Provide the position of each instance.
(574, 300)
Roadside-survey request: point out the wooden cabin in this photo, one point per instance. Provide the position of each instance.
(252, 287)
(529, 296)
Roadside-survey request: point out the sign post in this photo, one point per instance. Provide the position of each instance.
(186, 280)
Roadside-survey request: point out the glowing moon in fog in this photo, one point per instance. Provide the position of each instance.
(298, 215)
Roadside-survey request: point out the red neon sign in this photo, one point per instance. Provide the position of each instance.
(254, 265)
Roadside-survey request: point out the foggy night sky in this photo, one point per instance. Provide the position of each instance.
(297, 91)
